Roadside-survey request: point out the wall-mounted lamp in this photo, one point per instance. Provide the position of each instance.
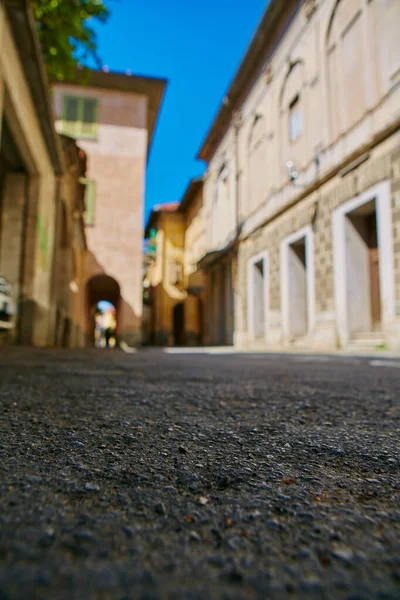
(293, 173)
(291, 170)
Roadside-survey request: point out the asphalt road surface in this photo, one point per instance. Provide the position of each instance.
(149, 476)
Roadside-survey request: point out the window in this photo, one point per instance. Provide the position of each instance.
(346, 65)
(80, 117)
(90, 200)
(257, 163)
(295, 121)
(176, 273)
(221, 216)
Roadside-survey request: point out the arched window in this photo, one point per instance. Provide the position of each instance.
(257, 156)
(293, 116)
(346, 65)
(221, 205)
(384, 19)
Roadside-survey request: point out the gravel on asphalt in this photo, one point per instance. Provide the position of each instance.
(148, 476)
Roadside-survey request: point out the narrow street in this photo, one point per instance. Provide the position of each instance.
(193, 476)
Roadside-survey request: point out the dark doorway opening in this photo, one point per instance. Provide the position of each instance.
(179, 324)
(363, 273)
(298, 296)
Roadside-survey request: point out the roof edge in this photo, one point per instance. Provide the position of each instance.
(158, 209)
(20, 16)
(151, 87)
(268, 33)
(193, 187)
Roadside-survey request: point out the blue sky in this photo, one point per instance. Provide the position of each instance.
(197, 46)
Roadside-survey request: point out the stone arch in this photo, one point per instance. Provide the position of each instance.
(101, 287)
(346, 65)
(383, 18)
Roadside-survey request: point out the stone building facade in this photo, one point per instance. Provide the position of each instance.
(301, 193)
(113, 117)
(30, 170)
(164, 275)
(174, 284)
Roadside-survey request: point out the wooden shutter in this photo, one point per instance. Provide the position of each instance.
(71, 115)
(80, 117)
(89, 117)
(90, 201)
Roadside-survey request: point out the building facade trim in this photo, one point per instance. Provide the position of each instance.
(307, 233)
(260, 256)
(381, 194)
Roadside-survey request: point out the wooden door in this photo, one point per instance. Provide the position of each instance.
(374, 271)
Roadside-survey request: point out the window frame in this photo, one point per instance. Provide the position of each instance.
(252, 263)
(90, 184)
(176, 273)
(295, 109)
(223, 180)
(76, 131)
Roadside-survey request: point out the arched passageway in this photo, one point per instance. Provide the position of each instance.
(103, 297)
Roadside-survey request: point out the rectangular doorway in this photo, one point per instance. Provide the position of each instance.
(298, 319)
(363, 265)
(297, 284)
(258, 296)
(362, 270)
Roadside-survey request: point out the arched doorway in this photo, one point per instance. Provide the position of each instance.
(103, 302)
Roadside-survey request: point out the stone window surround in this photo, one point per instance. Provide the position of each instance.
(77, 128)
(261, 256)
(307, 233)
(382, 196)
(295, 126)
(224, 173)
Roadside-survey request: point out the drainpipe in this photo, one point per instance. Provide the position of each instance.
(22, 259)
(237, 124)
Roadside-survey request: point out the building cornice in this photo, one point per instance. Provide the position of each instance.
(274, 22)
(350, 163)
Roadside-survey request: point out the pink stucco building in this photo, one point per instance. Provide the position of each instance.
(114, 117)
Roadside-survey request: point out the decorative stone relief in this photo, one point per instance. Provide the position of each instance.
(237, 119)
(268, 73)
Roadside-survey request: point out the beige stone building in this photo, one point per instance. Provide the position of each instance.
(113, 117)
(31, 161)
(302, 189)
(174, 285)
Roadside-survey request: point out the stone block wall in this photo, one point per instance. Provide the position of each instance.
(382, 165)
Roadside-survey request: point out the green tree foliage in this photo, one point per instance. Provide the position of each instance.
(66, 33)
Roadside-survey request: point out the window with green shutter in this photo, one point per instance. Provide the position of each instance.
(80, 117)
(90, 200)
